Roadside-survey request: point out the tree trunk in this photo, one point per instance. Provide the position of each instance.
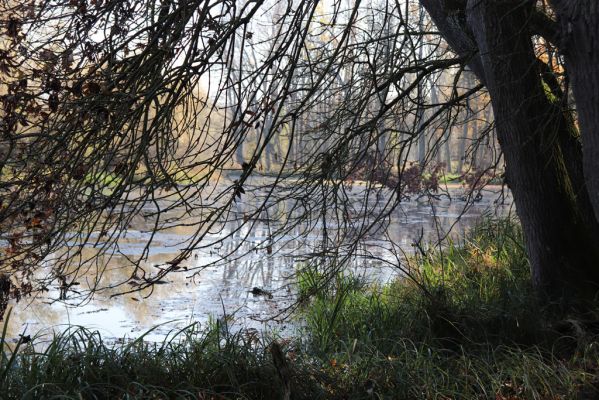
(561, 245)
(533, 135)
(580, 24)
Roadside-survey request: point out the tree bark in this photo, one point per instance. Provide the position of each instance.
(561, 246)
(533, 134)
(579, 20)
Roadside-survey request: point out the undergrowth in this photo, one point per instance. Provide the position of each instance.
(466, 325)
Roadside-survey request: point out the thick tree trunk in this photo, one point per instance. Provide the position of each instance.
(536, 139)
(579, 21)
(561, 245)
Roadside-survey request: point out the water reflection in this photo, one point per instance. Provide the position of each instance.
(224, 286)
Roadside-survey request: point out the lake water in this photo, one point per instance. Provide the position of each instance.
(238, 263)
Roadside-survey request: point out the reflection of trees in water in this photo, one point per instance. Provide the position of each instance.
(240, 261)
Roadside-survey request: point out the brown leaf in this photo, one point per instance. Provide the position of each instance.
(54, 84)
(77, 89)
(66, 60)
(13, 27)
(174, 263)
(34, 223)
(53, 102)
(47, 55)
(78, 172)
(91, 88)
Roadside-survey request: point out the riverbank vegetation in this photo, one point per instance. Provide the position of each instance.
(467, 326)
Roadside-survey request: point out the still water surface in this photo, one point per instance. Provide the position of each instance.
(224, 289)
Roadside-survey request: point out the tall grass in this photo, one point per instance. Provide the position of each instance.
(468, 327)
(475, 292)
(191, 363)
